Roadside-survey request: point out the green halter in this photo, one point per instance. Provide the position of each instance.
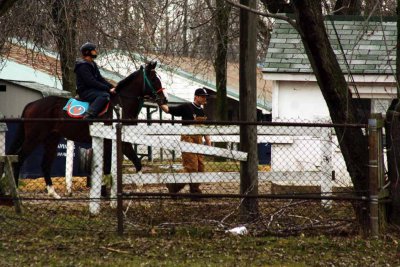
(153, 91)
(146, 80)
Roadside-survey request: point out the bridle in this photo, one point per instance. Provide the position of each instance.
(154, 94)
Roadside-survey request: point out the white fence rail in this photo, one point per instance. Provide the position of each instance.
(150, 135)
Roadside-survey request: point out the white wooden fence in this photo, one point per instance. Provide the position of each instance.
(167, 137)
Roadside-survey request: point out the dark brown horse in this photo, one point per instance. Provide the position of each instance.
(131, 92)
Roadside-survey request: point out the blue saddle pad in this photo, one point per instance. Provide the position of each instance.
(76, 108)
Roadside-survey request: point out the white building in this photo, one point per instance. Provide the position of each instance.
(366, 52)
(369, 49)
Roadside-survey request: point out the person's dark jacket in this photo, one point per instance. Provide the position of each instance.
(88, 77)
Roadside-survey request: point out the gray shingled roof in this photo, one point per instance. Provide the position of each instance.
(369, 47)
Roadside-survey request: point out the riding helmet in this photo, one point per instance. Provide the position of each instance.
(86, 48)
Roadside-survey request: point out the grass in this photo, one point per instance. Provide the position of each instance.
(181, 233)
(73, 238)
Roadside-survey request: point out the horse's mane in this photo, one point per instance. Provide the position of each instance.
(127, 80)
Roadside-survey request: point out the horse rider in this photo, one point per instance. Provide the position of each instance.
(190, 161)
(91, 86)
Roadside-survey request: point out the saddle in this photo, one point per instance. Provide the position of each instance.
(76, 108)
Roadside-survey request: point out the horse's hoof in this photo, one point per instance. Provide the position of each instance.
(52, 193)
(138, 166)
(104, 192)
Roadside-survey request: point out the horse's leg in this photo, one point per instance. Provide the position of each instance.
(128, 151)
(106, 165)
(50, 152)
(107, 156)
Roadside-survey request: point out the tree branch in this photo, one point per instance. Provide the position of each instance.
(269, 15)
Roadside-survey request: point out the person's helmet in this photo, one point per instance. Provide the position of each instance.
(86, 48)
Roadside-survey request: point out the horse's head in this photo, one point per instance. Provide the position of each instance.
(153, 88)
(141, 84)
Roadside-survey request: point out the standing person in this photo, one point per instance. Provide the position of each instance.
(91, 86)
(191, 162)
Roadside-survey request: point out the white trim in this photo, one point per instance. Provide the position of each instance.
(373, 78)
(275, 99)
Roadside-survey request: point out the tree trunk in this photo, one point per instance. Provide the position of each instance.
(5, 5)
(220, 63)
(185, 49)
(392, 126)
(353, 143)
(248, 110)
(64, 17)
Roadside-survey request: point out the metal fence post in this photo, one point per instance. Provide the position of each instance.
(327, 166)
(376, 177)
(119, 179)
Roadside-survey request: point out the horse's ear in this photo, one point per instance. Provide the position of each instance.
(152, 64)
(141, 67)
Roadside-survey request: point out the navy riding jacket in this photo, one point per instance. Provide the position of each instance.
(88, 77)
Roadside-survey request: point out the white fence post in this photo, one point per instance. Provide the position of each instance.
(113, 202)
(69, 165)
(113, 193)
(97, 175)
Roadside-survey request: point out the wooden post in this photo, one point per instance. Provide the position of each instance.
(248, 110)
(376, 176)
(6, 162)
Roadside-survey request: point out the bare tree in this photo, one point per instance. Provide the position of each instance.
(64, 18)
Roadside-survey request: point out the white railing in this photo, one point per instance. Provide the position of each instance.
(169, 139)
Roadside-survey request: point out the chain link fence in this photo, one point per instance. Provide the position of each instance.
(302, 183)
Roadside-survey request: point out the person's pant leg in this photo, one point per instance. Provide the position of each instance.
(98, 100)
(99, 103)
(195, 187)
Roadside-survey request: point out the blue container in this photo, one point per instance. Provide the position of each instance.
(264, 153)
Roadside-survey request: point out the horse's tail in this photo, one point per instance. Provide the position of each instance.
(19, 137)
